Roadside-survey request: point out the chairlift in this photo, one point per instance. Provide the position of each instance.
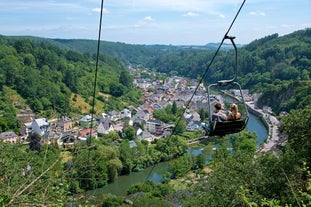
(221, 128)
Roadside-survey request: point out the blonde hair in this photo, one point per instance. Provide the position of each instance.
(234, 109)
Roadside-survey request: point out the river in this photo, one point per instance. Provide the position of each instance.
(120, 186)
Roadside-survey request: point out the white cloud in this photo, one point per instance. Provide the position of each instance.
(148, 18)
(172, 5)
(190, 14)
(222, 16)
(97, 10)
(257, 13)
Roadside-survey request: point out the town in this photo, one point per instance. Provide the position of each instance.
(156, 95)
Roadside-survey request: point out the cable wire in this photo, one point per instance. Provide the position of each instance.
(96, 70)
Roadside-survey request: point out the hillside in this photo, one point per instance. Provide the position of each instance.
(46, 77)
(126, 53)
(265, 65)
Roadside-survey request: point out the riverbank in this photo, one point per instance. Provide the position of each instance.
(274, 139)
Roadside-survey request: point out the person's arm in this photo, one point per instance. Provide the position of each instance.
(230, 117)
(223, 117)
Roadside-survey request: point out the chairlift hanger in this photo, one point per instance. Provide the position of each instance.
(217, 128)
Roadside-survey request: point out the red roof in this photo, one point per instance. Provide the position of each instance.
(86, 132)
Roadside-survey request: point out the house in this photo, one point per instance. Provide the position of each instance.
(138, 123)
(193, 126)
(139, 131)
(26, 117)
(180, 104)
(66, 139)
(105, 127)
(87, 121)
(145, 135)
(9, 136)
(132, 144)
(154, 127)
(101, 117)
(40, 126)
(125, 113)
(191, 116)
(168, 129)
(64, 123)
(50, 137)
(114, 115)
(267, 109)
(143, 115)
(118, 127)
(156, 106)
(87, 133)
(26, 129)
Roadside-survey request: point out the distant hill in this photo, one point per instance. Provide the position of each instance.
(127, 53)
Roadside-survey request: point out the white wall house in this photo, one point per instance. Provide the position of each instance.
(104, 127)
(126, 113)
(40, 126)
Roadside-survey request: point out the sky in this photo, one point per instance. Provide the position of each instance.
(175, 22)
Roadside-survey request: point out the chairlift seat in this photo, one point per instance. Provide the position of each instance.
(226, 127)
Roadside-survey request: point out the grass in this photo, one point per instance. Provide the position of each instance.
(78, 102)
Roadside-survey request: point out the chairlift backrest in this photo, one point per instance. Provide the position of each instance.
(218, 118)
(227, 127)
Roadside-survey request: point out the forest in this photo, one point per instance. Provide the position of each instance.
(50, 81)
(48, 78)
(276, 66)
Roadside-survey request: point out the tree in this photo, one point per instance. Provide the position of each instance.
(203, 114)
(34, 142)
(114, 166)
(181, 166)
(91, 173)
(3, 125)
(116, 89)
(30, 178)
(125, 79)
(126, 157)
(180, 127)
(111, 200)
(174, 108)
(130, 133)
(296, 126)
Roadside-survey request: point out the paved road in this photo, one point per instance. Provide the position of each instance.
(274, 139)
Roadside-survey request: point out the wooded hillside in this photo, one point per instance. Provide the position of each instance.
(50, 80)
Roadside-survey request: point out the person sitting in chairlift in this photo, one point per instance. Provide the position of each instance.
(234, 113)
(218, 116)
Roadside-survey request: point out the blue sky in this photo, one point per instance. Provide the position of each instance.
(176, 22)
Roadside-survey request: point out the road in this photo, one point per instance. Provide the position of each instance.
(275, 139)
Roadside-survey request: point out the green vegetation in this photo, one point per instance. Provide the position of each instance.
(43, 174)
(242, 176)
(279, 67)
(49, 80)
(45, 77)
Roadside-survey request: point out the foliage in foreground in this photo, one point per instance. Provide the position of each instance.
(31, 177)
(245, 178)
